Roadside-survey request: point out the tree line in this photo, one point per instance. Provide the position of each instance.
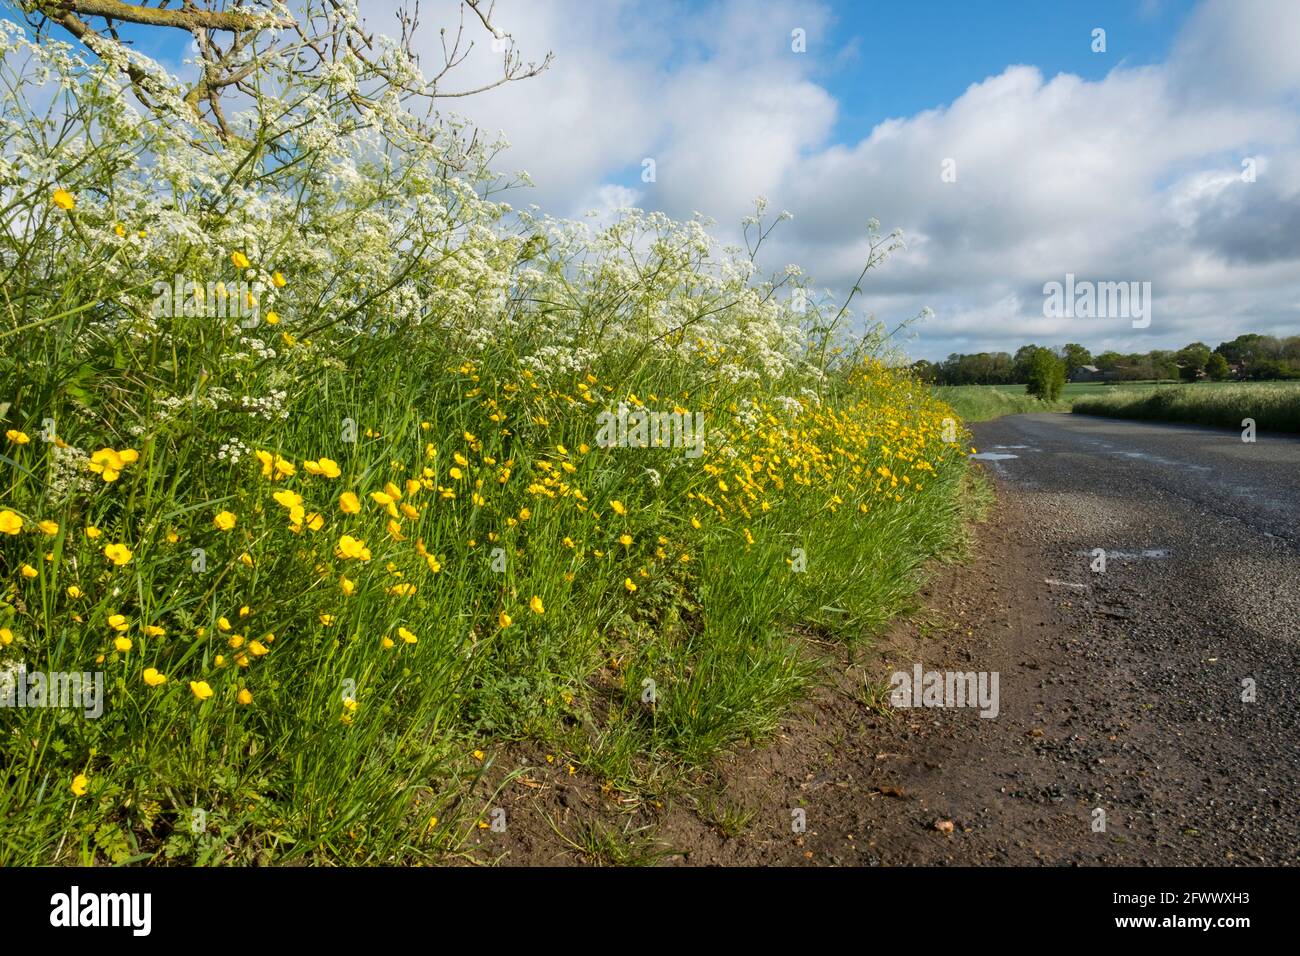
(1248, 357)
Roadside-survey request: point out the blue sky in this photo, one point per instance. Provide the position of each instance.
(931, 52)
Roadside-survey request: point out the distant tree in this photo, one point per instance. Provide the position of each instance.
(1075, 356)
(1216, 366)
(1046, 375)
(1108, 361)
(1024, 355)
(1191, 360)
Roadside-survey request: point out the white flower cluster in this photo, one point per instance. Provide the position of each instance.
(270, 406)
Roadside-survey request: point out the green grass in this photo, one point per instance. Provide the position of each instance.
(977, 403)
(1272, 405)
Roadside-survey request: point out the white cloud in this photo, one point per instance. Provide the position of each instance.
(1134, 176)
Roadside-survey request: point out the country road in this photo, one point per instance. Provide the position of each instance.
(1120, 691)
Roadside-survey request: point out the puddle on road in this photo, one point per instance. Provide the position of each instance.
(992, 456)
(1008, 447)
(1145, 553)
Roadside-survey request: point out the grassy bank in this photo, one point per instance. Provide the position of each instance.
(978, 403)
(1272, 406)
(329, 549)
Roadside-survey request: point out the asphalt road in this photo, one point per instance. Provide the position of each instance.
(1198, 608)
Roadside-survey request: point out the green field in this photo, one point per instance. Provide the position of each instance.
(1271, 404)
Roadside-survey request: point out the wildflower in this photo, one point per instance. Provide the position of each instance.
(121, 644)
(75, 592)
(272, 317)
(153, 678)
(28, 571)
(153, 630)
(239, 260)
(327, 620)
(80, 783)
(245, 696)
(349, 504)
(478, 755)
(455, 473)
(625, 540)
(434, 565)
(406, 635)
(17, 437)
(288, 499)
(352, 548)
(92, 532)
(48, 527)
(6, 637)
(246, 559)
(65, 201)
(119, 554)
(10, 523)
(504, 619)
(325, 467)
(108, 464)
(224, 520)
(277, 280)
(629, 584)
(618, 507)
(347, 586)
(200, 689)
(258, 649)
(536, 605)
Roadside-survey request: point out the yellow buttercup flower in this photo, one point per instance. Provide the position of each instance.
(10, 523)
(388, 643)
(348, 587)
(225, 520)
(277, 280)
(6, 637)
(50, 528)
(28, 571)
(108, 464)
(504, 619)
(63, 199)
(119, 554)
(245, 696)
(239, 260)
(406, 635)
(535, 603)
(618, 507)
(352, 548)
(288, 499)
(629, 584)
(121, 644)
(153, 678)
(349, 504)
(17, 437)
(80, 783)
(200, 689)
(92, 532)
